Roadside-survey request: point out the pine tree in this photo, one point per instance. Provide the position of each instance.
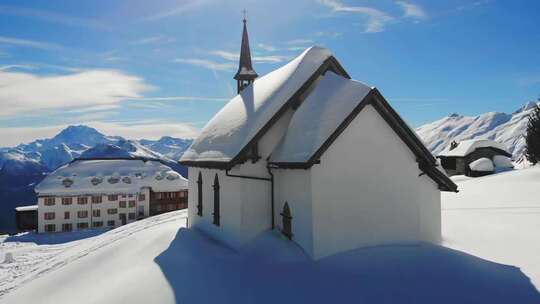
(532, 138)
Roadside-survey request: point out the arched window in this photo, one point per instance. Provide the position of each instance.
(199, 193)
(216, 200)
(287, 221)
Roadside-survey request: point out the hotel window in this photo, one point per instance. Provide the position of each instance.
(122, 204)
(48, 215)
(141, 210)
(50, 228)
(82, 214)
(82, 225)
(48, 201)
(97, 224)
(96, 199)
(123, 196)
(131, 216)
(110, 223)
(131, 204)
(83, 200)
(112, 211)
(142, 197)
(96, 213)
(67, 200)
(130, 195)
(66, 215)
(112, 198)
(67, 227)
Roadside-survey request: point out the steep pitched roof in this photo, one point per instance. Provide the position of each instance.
(245, 69)
(465, 147)
(326, 107)
(248, 115)
(327, 112)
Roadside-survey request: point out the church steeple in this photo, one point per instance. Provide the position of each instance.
(246, 74)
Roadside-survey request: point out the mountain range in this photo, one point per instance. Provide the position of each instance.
(505, 128)
(25, 165)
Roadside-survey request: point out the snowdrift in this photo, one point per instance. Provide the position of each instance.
(491, 251)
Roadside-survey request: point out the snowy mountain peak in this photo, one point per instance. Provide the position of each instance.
(526, 107)
(508, 129)
(80, 134)
(454, 115)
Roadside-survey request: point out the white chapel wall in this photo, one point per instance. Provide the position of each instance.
(367, 191)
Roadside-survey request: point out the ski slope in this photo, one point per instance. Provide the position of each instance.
(491, 231)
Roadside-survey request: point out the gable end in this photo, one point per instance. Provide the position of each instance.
(426, 162)
(330, 64)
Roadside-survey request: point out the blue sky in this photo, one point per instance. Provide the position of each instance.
(143, 68)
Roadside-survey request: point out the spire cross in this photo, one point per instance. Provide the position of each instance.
(244, 11)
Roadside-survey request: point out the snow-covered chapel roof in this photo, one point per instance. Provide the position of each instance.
(111, 176)
(325, 101)
(232, 128)
(466, 147)
(319, 116)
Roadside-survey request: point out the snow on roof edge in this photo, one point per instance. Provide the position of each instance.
(26, 208)
(231, 129)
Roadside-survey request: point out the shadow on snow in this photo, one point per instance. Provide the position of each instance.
(272, 270)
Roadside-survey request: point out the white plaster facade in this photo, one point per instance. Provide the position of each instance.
(104, 193)
(139, 202)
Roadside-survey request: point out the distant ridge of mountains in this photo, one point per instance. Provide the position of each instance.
(25, 165)
(508, 129)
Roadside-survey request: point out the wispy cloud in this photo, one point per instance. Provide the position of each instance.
(473, 5)
(231, 56)
(267, 47)
(299, 41)
(328, 34)
(29, 43)
(411, 10)
(296, 48)
(376, 19)
(52, 17)
(26, 92)
(182, 8)
(207, 64)
(17, 66)
(157, 39)
(184, 98)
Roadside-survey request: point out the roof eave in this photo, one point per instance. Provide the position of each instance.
(222, 165)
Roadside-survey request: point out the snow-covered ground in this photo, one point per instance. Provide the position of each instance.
(497, 218)
(491, 232)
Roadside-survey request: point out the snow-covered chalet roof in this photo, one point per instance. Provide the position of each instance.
(27, 208)
(110, 176)
(232, 128)
(319, 116)
(482, 164)
(465, 147)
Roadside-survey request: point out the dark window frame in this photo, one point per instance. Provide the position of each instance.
(200, 195)
(216, 214)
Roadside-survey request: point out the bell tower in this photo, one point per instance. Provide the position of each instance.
(246, 74)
